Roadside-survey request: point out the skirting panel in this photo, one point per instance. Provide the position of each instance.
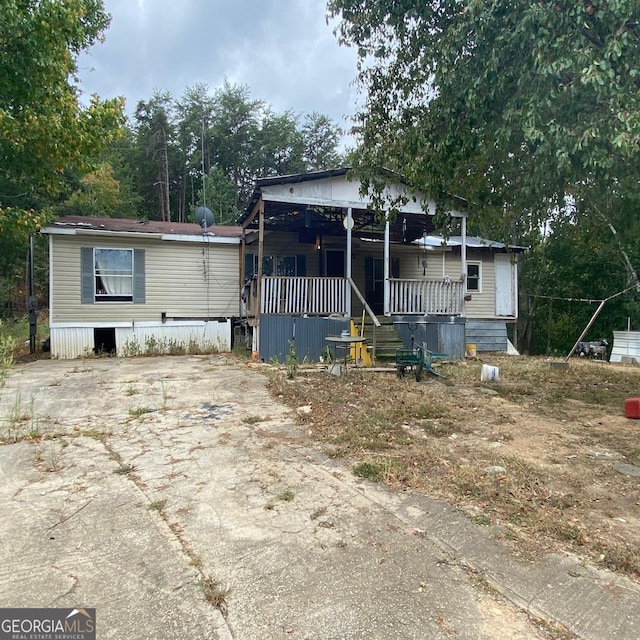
(151, 339)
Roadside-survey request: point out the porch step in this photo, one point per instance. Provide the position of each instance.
(387, 338)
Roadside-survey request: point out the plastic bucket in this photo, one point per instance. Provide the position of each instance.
(472, 351)
(489, 373)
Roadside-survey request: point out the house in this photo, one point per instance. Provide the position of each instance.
(316, 255)
(310, 255)
(127, 287)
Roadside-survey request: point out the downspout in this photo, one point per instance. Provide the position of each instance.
(349, 223)
(387, 288)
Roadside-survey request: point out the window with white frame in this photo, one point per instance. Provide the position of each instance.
(474, 277)
(113, 275)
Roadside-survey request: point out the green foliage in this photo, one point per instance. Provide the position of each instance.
(44, 130)
(510, 107)
(7, 346)
(291, 361)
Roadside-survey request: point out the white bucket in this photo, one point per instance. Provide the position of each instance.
(489, 373)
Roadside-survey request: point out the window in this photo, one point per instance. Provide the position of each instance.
(112, 275)
(474, 276)
(113, 270)
(275, 265)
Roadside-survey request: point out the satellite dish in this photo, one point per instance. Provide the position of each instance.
(204, 217)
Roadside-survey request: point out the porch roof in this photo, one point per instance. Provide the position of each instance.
(318, 205)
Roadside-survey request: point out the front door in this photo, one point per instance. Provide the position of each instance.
(374, 284)
(506, 283)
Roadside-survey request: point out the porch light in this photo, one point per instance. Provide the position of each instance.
(318, 241)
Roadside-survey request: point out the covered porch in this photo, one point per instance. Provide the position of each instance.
(314, 247)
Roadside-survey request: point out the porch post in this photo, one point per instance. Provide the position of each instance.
(259, 288)
(348, 269)
(463, 260)
(387, 288)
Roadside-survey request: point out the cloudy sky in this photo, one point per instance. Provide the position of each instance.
(283, 50)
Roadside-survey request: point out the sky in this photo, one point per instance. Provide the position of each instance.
(282, 50)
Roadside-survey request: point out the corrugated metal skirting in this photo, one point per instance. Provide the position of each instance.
(625, 343)
(308, 336)
(442, 334)
(487, 335)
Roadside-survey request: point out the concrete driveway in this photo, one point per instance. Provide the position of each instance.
(166, 481)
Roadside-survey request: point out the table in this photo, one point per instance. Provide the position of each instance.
(344, 342)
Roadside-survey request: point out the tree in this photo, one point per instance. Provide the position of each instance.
(44, 130)
(155, 136)
(321, 139)
(279, 145)
(510, 104)
(234, 131)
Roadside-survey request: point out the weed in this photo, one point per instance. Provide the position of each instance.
(253, 419)
(165, 395)
(318, 513)
(291, 361)
(125, 469)
(52, 454)
(131, 390)
(7, 346)
(287, 495)
(368, 471)
(215, 593)
(157, 505)
(482, 520)
(137, 412)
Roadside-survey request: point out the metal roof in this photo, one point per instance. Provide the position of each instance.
(127, 225)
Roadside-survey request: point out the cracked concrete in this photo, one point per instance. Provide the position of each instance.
(164, 472)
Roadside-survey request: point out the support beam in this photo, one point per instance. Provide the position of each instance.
(349, 224)
(387, 287)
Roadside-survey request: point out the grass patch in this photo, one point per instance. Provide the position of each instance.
(137, 412)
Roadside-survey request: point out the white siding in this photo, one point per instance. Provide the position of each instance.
(183, 279)
(77, 341)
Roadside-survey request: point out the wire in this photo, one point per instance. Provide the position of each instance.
(589, 300)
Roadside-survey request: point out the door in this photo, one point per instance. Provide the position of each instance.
(335, 264)
(374, 283)
(506, 274)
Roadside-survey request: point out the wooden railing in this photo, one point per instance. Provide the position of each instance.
(326, 296)
(426, 297)
(299, 296)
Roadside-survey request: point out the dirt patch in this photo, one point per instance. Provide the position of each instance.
(546, 453)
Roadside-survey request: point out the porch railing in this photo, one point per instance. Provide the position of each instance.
(326, 296)
(426, 297)
(299, 296)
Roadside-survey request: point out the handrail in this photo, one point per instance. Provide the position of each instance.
(367, 308)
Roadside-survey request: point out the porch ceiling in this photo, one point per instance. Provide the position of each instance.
(329, 221)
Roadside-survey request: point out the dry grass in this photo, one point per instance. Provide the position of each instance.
(557, 434)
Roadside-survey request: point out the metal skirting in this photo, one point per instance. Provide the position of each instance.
(307, 336)
(443, 334)
(487, 335)
(626, 345)
(75, 342)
